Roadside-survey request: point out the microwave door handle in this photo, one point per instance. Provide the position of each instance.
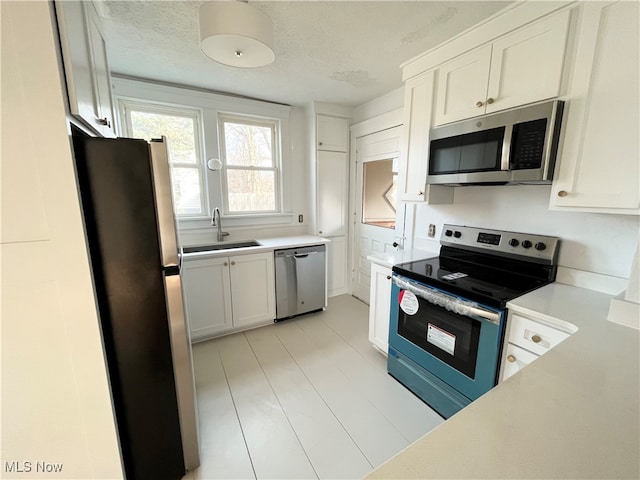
(506, 147)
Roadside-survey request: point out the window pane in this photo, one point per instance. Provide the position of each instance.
(251, 190)
(248, 145)
(186, 191)
(180, 133)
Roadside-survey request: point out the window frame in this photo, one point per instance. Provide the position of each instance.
(126, 106)
(276, 168)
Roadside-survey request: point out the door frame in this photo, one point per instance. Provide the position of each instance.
(376, 124)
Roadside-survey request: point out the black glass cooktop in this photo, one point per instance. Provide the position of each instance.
(482, 278)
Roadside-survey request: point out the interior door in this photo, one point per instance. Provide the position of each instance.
(378, 216)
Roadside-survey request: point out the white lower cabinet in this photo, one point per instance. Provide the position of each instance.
(223, 294)
(379, 307)
(527, 339)
(516, 359)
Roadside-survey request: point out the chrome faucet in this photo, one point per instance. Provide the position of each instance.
(216, 221)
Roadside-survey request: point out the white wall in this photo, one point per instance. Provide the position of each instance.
(386, 103)
(56, 406)
(591, 242)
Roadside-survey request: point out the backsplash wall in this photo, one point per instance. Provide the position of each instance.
(592, 242)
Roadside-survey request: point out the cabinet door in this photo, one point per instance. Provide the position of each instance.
(332, 194)
(414, 146)
(332, 133)
(462, 86)
(526, 66)
(515, 359)
(101, 77)
(380, 303)
(600, 161)
(253, 294)
(207, 292)
(85, 64)
(76, 53)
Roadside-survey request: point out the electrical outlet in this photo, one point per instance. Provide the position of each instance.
(300, 218)
(432, 230)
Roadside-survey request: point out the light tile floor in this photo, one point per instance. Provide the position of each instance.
(305, 398)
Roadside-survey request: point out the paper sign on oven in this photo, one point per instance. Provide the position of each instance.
(441, 339)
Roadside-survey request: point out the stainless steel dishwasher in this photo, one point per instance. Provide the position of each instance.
(300, 280)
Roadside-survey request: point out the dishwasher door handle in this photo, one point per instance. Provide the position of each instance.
(299, 255)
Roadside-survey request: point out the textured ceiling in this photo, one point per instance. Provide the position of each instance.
(330, 51)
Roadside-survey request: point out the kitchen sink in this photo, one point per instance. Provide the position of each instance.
(220, 246)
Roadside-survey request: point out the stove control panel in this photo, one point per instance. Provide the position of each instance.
(540, 248)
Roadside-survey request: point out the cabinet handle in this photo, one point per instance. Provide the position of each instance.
(226, 264)
(104, 121)
(563, 193)
(490, 101)
(511, 358)
(320, 143)
(320, 232)
(420, 193)
(388, 277)
(233, 263)
(536, 339)
(479, 104)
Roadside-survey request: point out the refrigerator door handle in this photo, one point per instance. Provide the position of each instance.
(164, 202)
(183, 370)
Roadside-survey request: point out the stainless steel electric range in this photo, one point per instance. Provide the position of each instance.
(448, 313)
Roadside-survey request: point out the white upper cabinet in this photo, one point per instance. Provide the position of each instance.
(600, 161)
(462, 86)
(86, 67)
(414, 146)
(332, 133)
(522, 67)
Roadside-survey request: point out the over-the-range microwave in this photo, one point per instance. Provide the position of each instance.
(514, 146)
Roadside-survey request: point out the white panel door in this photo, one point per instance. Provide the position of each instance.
(332, 196)
(526, 66)
(600, 160)
(372, 236)
(253, 288)
(462, 86)
(207, 292)
(414, 144)
(332, 133)
(380, 307)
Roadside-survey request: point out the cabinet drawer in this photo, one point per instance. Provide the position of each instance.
(516, 359)
(533, 336)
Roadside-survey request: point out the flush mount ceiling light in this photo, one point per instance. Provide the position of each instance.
(236, 34)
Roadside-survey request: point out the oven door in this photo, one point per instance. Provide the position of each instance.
(454, 339)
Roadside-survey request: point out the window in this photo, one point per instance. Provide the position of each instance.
(181, 126)
(250, 160)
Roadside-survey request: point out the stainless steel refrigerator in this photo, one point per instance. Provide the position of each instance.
(127, 206)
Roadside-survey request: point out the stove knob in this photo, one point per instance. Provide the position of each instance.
(540, 246)
(514, 242)
(448, 233)
(457, 234)
(526, 244)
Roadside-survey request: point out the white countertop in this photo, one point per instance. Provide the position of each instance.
(266, 245)
(389, 259)
(572, 413)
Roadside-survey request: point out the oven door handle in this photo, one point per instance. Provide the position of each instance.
(449, 302)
